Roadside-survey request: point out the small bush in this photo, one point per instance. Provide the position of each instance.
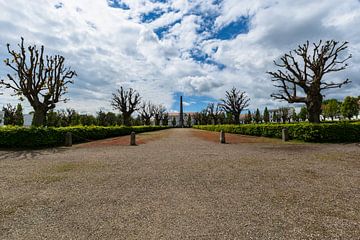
(20, 137)
(332, 133)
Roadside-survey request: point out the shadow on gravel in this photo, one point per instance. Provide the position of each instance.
(27, 154)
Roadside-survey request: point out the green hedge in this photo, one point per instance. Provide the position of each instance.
(20, 137)
(333, 133)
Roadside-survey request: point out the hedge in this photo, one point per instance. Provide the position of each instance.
(21, 137)
(331, 133)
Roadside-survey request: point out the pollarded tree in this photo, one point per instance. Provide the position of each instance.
(302, 71)
(214, 111)
(202, 117)
(40, 78)
(147, 112)
(158, 112)
(222, 118)
(205, 117)
(284, 113)
(235, 101)
(127, 102)
(197, 118)
(276, 116)
(165, 120)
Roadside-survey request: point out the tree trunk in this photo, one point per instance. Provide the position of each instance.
(126, 119)
(157, 121)
(236, 118)
(314, 107)
(39, 117)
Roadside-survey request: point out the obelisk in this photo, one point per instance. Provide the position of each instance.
(181, 120)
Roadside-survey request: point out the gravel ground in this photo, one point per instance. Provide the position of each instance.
(182, 184)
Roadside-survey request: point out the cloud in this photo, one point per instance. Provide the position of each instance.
(160, 48)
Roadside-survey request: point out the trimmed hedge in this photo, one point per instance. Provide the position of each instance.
(331, 133)
(20, 137)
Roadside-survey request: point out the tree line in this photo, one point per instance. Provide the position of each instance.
(301, 78)
(331, 109)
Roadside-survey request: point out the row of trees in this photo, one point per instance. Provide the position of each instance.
(283, 114)
(13, 115)
(128, 101)
(332, 108)
(69, 117)
(212, 114)
(43, 80)
(227, 111)
(349, 108)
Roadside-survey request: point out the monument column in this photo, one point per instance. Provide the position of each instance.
(181, 120)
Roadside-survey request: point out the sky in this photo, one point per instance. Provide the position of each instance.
(167, 48)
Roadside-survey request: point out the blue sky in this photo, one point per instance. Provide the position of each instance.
(164, 48)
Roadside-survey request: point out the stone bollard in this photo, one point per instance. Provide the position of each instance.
(222, 137)
(285, 135)
(68, 139)
(133, 139)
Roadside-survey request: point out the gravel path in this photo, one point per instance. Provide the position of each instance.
(181, 184)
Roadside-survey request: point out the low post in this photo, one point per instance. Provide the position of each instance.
(222, 137)
(68, 139)
(285, 134)
(133, 139)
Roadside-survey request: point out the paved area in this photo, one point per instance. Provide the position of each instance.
(182, 184)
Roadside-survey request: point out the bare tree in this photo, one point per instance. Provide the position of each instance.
(235, 101)
(158, 111)
(214, 112)
(41, 79)
(303, 72)
(197, 118)
(147, 112)
(284, 114)
(127, 102)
